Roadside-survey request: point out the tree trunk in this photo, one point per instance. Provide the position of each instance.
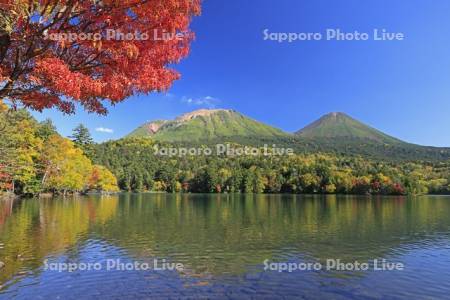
(44, 178)
(5, 41)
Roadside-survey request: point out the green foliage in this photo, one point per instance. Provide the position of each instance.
(46, 129)
(135, 164)
(83, 140)
(347, 146)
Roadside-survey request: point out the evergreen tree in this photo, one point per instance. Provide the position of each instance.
(83, 140)
(46, 129)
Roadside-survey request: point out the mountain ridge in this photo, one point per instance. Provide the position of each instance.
(206, 124)
(332, 133)
(331, 125)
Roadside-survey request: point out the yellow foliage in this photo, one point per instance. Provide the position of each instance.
(67, 169)
(103, 180)
(159, 186)
(330, 188)
(3, 106)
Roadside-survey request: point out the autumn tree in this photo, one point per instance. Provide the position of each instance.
(34, 158)
(102, 179)
(65, 166)
(19, 150)
(90, 52)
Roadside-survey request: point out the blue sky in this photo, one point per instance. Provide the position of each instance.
(399, 87)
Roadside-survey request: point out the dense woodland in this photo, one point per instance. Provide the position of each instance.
(35, 159)
(137, 168)
(348, 146)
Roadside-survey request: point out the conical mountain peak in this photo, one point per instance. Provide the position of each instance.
(341, 125)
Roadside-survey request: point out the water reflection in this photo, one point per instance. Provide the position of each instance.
(220, 237)
(38, 228)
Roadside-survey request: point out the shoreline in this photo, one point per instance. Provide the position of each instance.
(8, 196)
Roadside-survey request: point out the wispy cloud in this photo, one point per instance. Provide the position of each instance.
(208, 101)
(169, 95)
(104, 130)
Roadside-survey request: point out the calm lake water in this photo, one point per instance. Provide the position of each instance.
(225, 246)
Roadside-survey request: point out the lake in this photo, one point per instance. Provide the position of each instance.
(132, 246)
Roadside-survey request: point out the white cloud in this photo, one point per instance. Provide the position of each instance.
(103, 129)
(208, 101)
(169, 95)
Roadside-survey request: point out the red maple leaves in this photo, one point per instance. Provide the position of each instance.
(40, 71)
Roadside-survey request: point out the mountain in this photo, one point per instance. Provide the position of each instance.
(206, 124)
(339, 133)
(333, 133)
(339, 125)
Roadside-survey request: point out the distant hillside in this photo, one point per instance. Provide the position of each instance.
(206, 124)
(340, 125)
(333, 133)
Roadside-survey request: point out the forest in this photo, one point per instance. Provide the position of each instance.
(35, 159)
(137, 168)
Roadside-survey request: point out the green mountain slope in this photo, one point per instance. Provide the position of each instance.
(340, 125)
(206, 124)
(333, 133)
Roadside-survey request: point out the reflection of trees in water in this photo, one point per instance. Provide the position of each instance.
(220, 234)
(38, 228)
(224, 234)
(6, 205)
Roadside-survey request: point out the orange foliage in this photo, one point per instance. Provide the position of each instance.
(45, 72)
